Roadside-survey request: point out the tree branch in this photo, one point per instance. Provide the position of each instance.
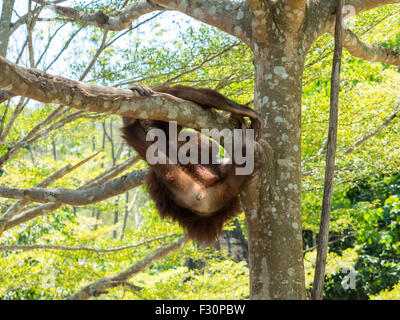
(259, 11)
(330, 242)
(45, 208)
(32, 214)
(388, 120)
(5, 22)
(370, 52)
(292, 13)
(224, 14)
(29, 247)
(19, 205)
(364, 5)
(321, 14)
(17, 111)
(43, 87)
(111, 173)
(4, 96)
(24, 141)
(98, 287)
(77, 197)
(323, 236)
(27, 141)
(229, 16)
(118, 21)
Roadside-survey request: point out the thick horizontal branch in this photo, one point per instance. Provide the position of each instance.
(320, 15)
(229, 16)
(118, 21)
(5, 95)
(224, 14)
(47, 88)
(98, 287)
(370, 52)
(49, 207)
(364, 5)
(77, 197)
(19, 205)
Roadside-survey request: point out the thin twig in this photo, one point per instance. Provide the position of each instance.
(29, 247)
(45, 208)
(100, 286)
(369, 135)
(318, 286)
(18, 206)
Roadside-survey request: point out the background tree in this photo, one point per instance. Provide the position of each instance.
(279, 34)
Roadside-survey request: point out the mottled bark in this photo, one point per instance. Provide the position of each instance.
(118, 21)
(5, 25)
(18, 206)
(226, 15)
(260, 13)
(370, 52)
(275, 224)
(78, 197)
(323, 235)
(45, 208)
(5, 33)
(47, 88)
(280, 33)
(291, 13)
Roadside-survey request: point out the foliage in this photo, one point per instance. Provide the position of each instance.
(388, 294)
(377, 241)
(219, 280)
(363, 213)
(366, 208)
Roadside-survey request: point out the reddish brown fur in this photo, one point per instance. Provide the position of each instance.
(201, 228)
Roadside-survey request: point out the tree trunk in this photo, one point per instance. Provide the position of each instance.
(5, 22)
(273, 209)
(98, 212)
(234, 243)
(116, 217)
(5, 32)
(54, 148)
(125, 221)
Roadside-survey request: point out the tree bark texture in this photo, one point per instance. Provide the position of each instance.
(279, 32)
(323, 236)
(275, 224)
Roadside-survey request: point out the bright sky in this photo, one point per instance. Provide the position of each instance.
(172, 22)
(169, 20)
